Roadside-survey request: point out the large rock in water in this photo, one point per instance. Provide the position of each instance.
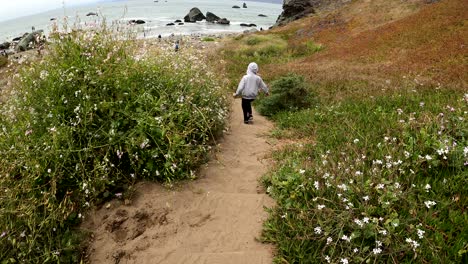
(210, 17)
(194, 15)
(23, 45)
(223, 21)
(296, 9)
(4, 45)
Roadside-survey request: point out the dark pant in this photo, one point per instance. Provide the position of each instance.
(247, 108)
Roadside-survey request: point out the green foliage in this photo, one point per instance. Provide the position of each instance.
(383, 182)
(289, 92)
(255, 40)
(3, 61)
(208, 39)
(84, 124)
(305, 48)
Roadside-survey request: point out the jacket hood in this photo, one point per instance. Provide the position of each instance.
(252, 68)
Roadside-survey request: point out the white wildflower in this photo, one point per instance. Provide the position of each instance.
(318, 230)
(316, 185)
(429, 204)
(421, 233)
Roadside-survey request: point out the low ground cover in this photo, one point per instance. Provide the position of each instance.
(381, 181)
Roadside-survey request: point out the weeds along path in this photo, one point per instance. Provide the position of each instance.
(214, 219)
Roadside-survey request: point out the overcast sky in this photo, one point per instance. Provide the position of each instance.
(17, 8)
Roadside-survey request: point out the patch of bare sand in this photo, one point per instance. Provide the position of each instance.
(214, 219)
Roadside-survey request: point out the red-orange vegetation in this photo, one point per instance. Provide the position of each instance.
(380, 40)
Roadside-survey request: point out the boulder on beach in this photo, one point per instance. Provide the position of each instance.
(210, 17)
(23, 45)
(91, 14)
(181, 23)
(244, 5)
(194, 15)
(262, 15)
(170, 24)
(178, 21)
(5, 45)
(252, 25)
(223, 21)
(235, 6)
(53, 19)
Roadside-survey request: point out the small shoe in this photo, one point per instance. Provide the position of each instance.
(246, 122)
(251, 118)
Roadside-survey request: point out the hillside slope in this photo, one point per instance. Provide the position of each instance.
(379, 40)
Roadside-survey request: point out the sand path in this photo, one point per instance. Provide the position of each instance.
(214, 219)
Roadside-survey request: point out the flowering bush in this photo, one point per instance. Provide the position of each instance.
(384, 183)
(85, 123)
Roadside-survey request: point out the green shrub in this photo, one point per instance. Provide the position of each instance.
(383, 182)
(84, 124)
(290, 93)
(305, 48)
(254, 40)
(208, 39)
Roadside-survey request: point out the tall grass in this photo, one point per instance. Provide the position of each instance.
(86, 122)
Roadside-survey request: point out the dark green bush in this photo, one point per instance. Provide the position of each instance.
(290, 92)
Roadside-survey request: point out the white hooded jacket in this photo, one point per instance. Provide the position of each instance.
(251, 83)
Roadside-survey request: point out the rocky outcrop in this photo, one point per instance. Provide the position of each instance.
(223, 21)
(137, 21)
(247, 25)
(23, 45)
(5, 45)
(235, 6)
(91, 14)
(262, 15)
(296, 9)
(194, 15)
(244, 5)
(210, 17)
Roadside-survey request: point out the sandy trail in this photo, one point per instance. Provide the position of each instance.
(214, 219)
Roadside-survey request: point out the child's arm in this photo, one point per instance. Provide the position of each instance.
(240, 88)
(264, 87)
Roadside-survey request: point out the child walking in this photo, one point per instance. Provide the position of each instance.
(249, 87)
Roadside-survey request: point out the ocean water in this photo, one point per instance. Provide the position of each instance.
(156, 13)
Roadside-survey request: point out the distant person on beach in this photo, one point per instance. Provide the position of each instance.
(248, 88)
(176, 46)
(159, 37)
